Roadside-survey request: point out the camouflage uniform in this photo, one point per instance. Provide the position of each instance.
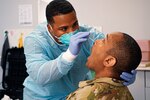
(101, 89)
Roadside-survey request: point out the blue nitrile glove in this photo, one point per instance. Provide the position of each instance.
(129, 78)
(76, 41)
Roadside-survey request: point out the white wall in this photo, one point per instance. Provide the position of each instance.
(131, 16)
(9, 15)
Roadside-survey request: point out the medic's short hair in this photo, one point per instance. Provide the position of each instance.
(58, 7)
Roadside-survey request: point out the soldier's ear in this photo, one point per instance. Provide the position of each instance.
(109, 61)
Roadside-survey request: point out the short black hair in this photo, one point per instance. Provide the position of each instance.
(128, 54)
(58, 7)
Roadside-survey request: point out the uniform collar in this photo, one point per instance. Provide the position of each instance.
(107, 80)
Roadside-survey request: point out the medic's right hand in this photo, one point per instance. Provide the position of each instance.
(76, 41)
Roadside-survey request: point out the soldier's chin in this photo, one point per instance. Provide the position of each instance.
(88, 59)
(88, 65)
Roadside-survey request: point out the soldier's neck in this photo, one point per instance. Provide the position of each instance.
(107, 74)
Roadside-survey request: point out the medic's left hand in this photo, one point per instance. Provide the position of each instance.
(129, 77)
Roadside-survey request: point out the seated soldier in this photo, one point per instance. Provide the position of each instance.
(111, 56)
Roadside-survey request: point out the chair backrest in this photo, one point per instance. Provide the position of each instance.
(14, 72)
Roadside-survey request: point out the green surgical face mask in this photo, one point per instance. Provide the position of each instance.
(65, 38)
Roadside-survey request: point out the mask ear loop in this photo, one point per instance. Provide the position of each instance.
(52, 32)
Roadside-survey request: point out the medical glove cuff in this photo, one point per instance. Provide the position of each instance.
(68, 56)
